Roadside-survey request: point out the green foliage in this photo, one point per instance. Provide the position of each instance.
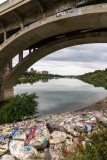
(97, 78)
(32, 77)
(96, 148)
(18, 107)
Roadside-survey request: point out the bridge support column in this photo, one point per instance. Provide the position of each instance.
(10, 65)
(20, 56)
(6, 93)
(6, 70)
(5, 36)
(22, 26)
(29, 51)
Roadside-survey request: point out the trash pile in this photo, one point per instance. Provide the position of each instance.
(47, 136)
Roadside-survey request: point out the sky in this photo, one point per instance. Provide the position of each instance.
(1, 1)
(74, 60)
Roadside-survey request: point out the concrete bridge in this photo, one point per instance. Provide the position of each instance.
(43, 27)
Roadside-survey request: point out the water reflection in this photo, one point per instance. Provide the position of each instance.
(31, 81)
(62, 95)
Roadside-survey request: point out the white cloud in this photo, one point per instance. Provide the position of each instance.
(75, 60)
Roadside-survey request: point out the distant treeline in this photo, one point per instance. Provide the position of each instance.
(97, 78)
(32, 77)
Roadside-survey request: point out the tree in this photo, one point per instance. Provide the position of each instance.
(18, 107)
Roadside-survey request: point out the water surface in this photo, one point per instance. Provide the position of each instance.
(62, 95)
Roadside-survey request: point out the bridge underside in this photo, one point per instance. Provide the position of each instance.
(49, 34)
(46, 49)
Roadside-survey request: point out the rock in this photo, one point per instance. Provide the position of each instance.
(54, 126)
(7, 157)
(4, 147)
(69, 136)
(54, 141)
(59, 146)
(80, 129)
(47, 154)
(102, 121)
(40, 137)
(51, 137)
(42, 155)
(16, 148)
(55, 154)
(74, 133)
(29, 152)
(69, 142)
(70, 149)
(20, 136)
(59, 135)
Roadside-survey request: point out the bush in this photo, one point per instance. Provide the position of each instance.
(18, 107)
(96, 148)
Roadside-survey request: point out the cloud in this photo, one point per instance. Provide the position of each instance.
(84, 53)
(73, 60)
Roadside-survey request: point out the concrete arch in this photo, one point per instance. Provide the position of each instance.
(79, 19)
(85, 38)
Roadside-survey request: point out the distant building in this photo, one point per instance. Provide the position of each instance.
(39, 72)
(32, 70)
(45, 72)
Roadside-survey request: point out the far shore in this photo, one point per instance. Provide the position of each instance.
(97, 106)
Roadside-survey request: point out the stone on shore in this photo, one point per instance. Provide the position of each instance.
(48, 136)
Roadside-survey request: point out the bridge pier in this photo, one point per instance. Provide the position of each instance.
(20, 56)
(5, 36)
(6, 93)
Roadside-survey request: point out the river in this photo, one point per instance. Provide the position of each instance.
(62, 95)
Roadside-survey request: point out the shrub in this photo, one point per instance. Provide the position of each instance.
(96, 148)
(18, 107)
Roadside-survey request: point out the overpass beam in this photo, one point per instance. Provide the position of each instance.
(20, 17)
(5, 71)
(4, 35)
(6, 94)
(20, 56)
(42, 5)
(10, 65)
(29, 51)
(3, 23)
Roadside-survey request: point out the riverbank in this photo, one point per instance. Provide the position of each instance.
(97, 106)
(52, 136)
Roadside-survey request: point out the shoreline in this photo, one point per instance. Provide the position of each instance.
(99, 105)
